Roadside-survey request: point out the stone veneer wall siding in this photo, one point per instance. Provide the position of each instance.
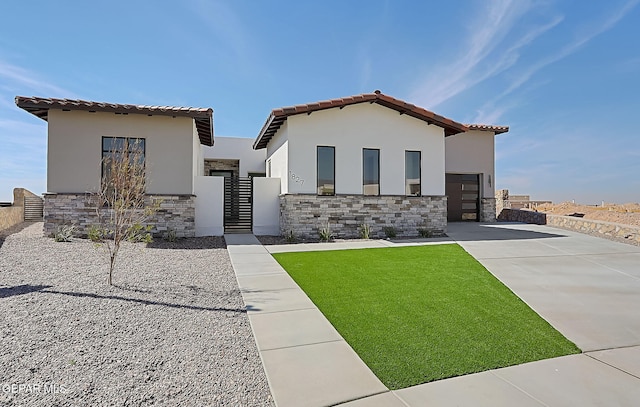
(613, 231)
(524, 216)
(176, 212)
(502, 200)
(305, 215)
(488, 210)
(222, 165)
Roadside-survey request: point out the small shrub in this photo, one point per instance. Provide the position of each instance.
(389, 231)
(170, 236)
(424, 232)
(365, 231)
(325, 233)
(137, 233)
(96, 234)
(290, 237)
(64, 233)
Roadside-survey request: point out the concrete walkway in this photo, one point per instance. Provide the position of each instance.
(587, 288)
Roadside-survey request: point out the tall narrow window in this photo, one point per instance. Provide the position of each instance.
(412, 172)
(326, 170)
(269, 168)
(370, 171)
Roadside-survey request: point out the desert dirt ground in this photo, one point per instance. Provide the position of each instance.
(628, 214)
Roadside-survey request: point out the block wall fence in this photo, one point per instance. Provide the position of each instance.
(608, 230)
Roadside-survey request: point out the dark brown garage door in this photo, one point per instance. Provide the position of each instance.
(463, 193)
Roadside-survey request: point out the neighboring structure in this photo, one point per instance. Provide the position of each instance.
(366, 159)
(26, 206)
(376, 160)
(505, 200)
(81, 132)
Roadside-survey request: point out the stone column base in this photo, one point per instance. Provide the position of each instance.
(488, 210)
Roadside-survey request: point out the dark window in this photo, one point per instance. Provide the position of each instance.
(117, 149)
(370, 171)
(256, 174)
(221, 173)
(412, 172)
(326, 170)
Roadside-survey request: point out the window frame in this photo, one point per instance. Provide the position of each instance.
(221, 173)
(406, 175)
(364, 150)
(333, 148)
(126, 146)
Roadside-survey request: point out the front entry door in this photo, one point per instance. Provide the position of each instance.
(463, 197)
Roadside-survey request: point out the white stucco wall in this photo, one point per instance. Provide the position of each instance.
(350, 130)
(198, 160)
(74, 150)
(237, 148)
(209, 202)
(278, 154)
(473, 153)
(266, 206)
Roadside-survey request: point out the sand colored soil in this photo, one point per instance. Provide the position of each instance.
(628, 214)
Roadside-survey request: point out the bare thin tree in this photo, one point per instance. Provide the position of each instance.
(122, 206)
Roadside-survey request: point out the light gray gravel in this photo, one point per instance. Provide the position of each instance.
(174, 332)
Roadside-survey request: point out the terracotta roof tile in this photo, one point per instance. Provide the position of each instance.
(279, 116)
(203, 117)
(488, 127)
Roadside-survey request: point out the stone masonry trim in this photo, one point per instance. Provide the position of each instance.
(306, 214)
(176, 212)
(488, 210)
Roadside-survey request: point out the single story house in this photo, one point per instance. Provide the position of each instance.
(366, 159)
(81, 132)
(376, 160)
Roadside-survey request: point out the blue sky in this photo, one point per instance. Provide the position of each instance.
(564, 75)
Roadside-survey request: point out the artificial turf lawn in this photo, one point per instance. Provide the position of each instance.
(423, 313)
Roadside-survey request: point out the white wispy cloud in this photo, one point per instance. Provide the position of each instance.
(19, 79)
(24, 146)
(489, 114)
(573, 46)
(479, 59)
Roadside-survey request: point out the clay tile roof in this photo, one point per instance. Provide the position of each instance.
(203, 117)
(488, 127)
(279, 116)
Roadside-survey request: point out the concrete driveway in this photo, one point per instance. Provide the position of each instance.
(587, 288)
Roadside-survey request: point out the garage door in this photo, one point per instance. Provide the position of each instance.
(463, 196)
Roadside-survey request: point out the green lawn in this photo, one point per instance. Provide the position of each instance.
(418, 314)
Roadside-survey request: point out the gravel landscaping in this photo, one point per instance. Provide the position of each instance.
(174, 331)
